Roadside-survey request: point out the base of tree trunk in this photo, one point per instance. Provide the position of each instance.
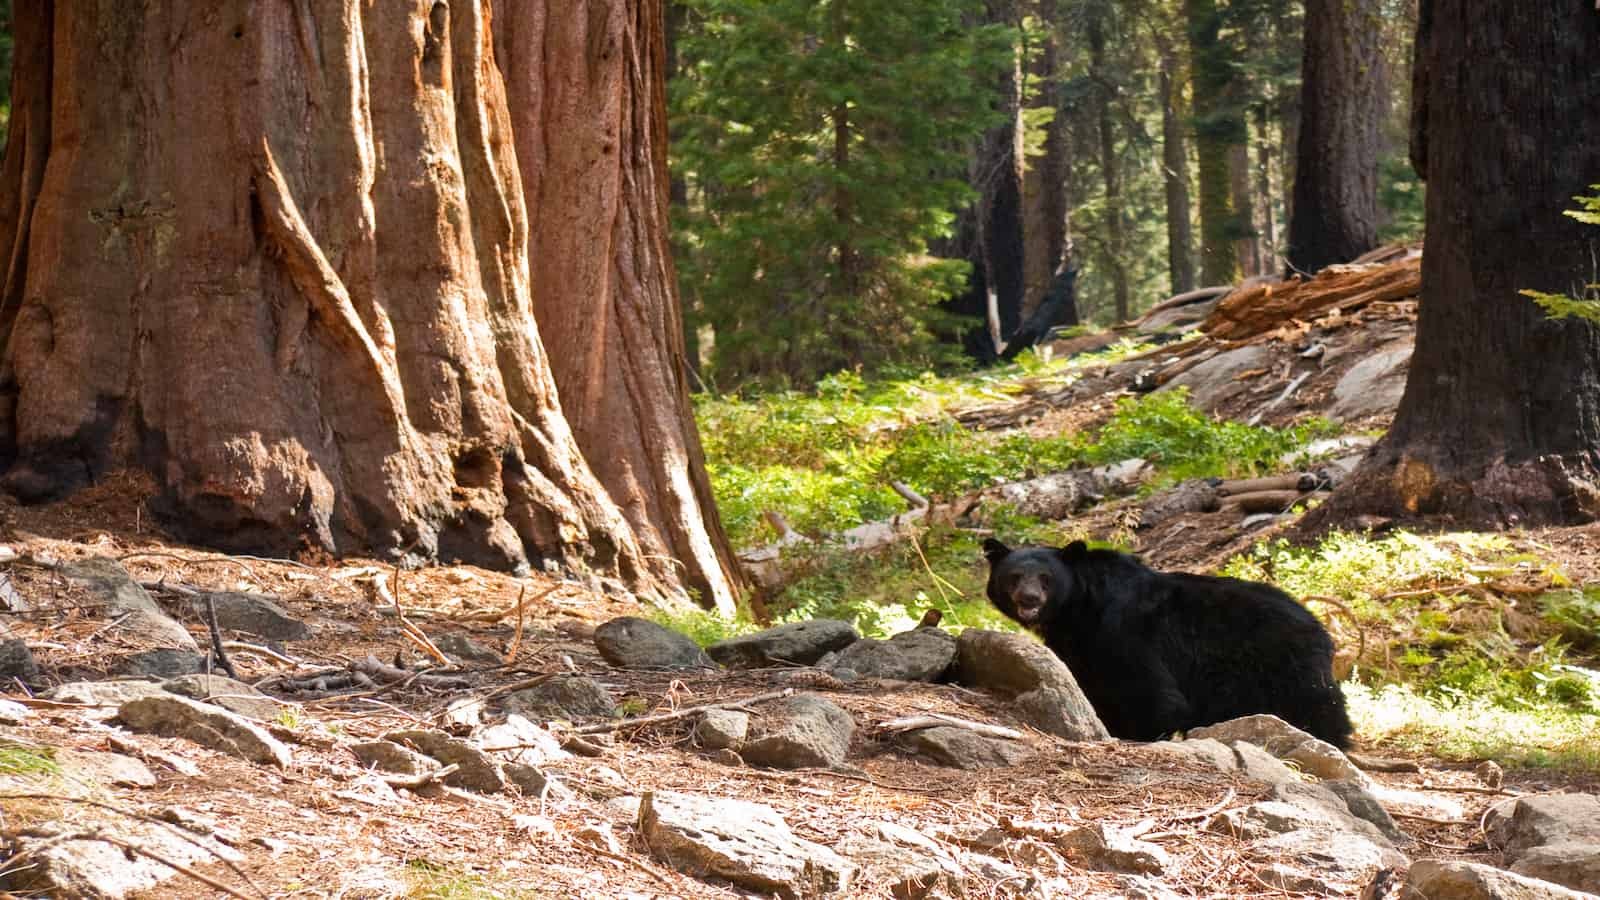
(1421, 482)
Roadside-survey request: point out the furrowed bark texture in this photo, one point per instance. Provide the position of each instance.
(586, 82)
(1342, 105)
(1500, 422)
(1049, 243)
(279, 258)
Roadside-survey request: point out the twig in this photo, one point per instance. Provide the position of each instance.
(910, 496)
(107, 627)
(1209, 811)
(417, 635)
(421, 780)
(640, 864)
(268, 652)
(939, 581)
(936, 720)
(216, 639)
(681, 713)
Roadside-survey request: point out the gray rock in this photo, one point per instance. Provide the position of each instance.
(226, 693)
(1440, 879)
(747, 844)
(16, 661)
(1198, 751)
(1107, 849)
(1574, 864)
(1373, 385)
(1014, 665)
(801, 643)
(162, 662)
(634, 643)
(478, 770)
(566, 697)
(1286, 742)
(962, 749)
(535, 782)
(96, 869)
(388, 756)
(1320, 799)
(109, 584)
(103, 693)
(12, 713)
(1555, 837)
(1364, 806)
(1321, 862)
(104, 768)
(720, 729)
(923, 654)
(207, 725)
(252, 614)
(1216, 381)
(464, 649)
(798, 732)
(906, 863)
(517, 740)
(1269, 817)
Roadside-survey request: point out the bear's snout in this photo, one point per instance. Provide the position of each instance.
(1029, 600)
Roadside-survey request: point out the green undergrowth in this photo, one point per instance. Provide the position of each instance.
(825, 460)
(1463, 644)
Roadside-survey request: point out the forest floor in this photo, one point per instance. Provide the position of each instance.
(323, 827)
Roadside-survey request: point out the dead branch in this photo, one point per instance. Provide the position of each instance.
(390, 675)
(1297, 481)
(682, 713)
(1209, 811)
(916, 500)
(1267, 501)
(516, 637)
(216, 639)
(938, 720)
(421, 779)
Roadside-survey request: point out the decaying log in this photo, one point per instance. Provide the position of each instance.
(1198, 295)
(1267, 501)
(1249, 312)
(1294, 481)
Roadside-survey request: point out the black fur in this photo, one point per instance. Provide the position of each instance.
(1160, 652)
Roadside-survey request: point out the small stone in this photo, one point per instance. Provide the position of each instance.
(478, 771)
(1062, 712)
(1490, 773)
(922, 654)
(565, 697)
(464, 649)
(747, 844)
(1267, 818)
(252, 614)
(163, 662)
(520, 741)
(1573, 864)
(465, 712)
(391, 757)
(12, 713)
(797, 643)
(16, 661)
(209, 726)
(1515, 828)
(962, 749)
(719, 729)
(1439, 879)
(803, 731)
(103, 694)
(235, 696)
(633, 643)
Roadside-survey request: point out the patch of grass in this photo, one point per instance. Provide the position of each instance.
(290, 717)
(427, 880)
(27, 761)
(1397, 716)
(704, 627)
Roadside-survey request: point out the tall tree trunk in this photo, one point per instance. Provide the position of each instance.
(999, 272)
(1246, 236)
(1049, 242)
(1342, 109)
(1110, 169)
(1500, 422)
(1217, 129)
(1175, 172)
(278, 258)
(1267, 215)
(591, 145)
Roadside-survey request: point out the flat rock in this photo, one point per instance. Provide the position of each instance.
(388, 756)
(96, 869)
(922, 654)
(801, 643)
(1215, 381)
(1440, 879)
(902, 861)
(162, 662)
(744, 843)
(109, 584)
(12, 713)
(1312, 755)
(235, 696)
(1574, 864)
(207, 725)
(105, 768)
(1267, 818)
(720, 729)
(960, 748)
(464, 649)
(1321, 862)
(803, 731)
(103, 693)
(1015, 665)
(1372, 386)
(1555, 837)
(566, 697)
(16, 661)
(252, 614)
(478, 770)
(517, 740)
(633, 643)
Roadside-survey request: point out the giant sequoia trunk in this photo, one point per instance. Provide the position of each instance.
(1175, 172)
(591, 144)
(1341, 107)
(1048, 247)
(1218, 127)
(277, 255)
(1500, 422)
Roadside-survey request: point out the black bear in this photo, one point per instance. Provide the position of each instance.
(1159, 652)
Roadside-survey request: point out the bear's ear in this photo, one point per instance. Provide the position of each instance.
(1074, 551)
(995, 551)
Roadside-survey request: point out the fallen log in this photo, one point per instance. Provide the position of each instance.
(1250, 312)
(1267, 501)
(1298, 482)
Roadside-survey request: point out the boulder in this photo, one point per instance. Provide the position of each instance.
(1321, 862)
(112, 693)
(744, 843)
(1555, 837)
(633, 643)
(1106, 849)
(478, 771)
(566, 697)
(252, 614)
(235, 696)
(517, 740)
(721, 729)
(391, 757)
(207, 725)
(142, 620)
(1216, 381)
(162, 662)
(1286, 742)
(799, 643)
(1014, 665)
(104, 768)
(962, 749)
(803, 731)
(922, 654)
(1372, 386)
(1441, 879)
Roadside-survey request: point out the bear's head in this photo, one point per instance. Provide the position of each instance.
(1029, 584)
